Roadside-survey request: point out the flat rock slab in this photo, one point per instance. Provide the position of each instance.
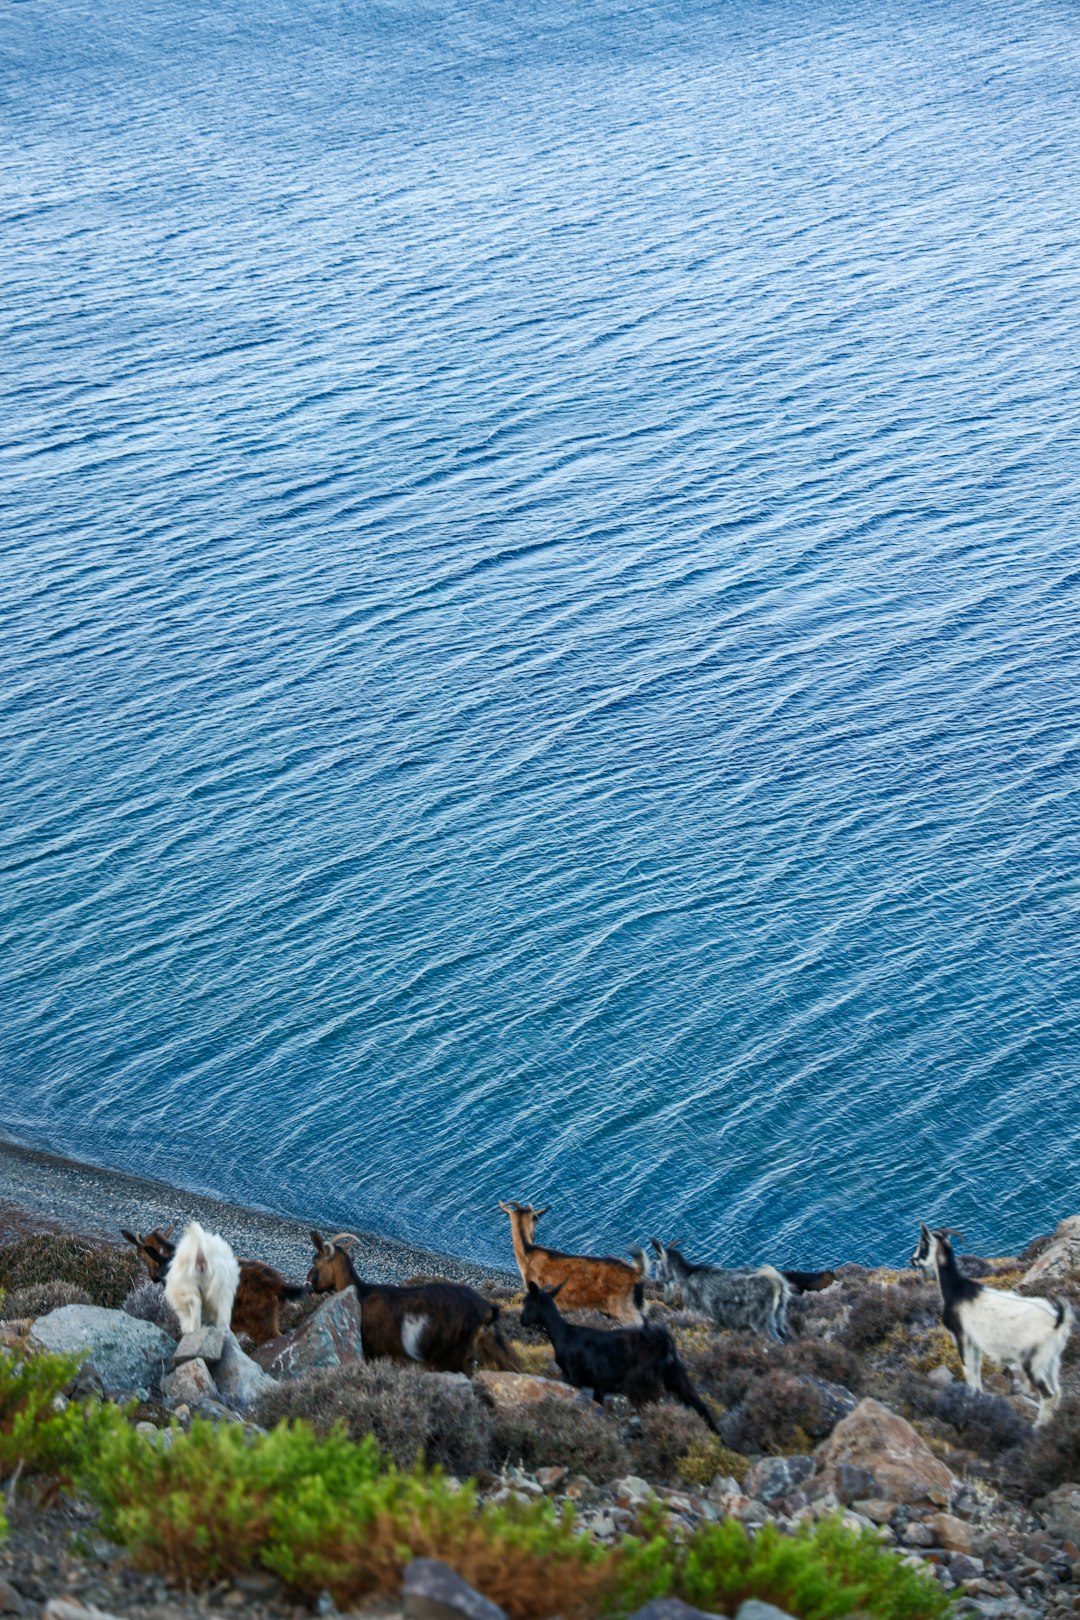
(329, 1338)
(125, 1352)
(431, 1590)
(204, 1344)
(509, 1391)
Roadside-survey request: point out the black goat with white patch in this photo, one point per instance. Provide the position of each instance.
(1008, 1327)
(641, 1363)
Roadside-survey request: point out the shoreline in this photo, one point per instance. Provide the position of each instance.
(45, 1191)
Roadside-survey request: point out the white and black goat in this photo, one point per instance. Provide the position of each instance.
(996, 1322)
(752, 1300)
(202, 1279)
(641, 1363)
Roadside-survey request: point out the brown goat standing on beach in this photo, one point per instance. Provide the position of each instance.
(444, 1325)
(261, 1293)
(588, 1283)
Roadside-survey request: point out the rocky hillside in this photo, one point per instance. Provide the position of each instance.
(860, 1415)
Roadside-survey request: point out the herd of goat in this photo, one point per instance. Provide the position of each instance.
(449, 1327)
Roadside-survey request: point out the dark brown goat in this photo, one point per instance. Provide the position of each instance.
(587, 1281)
(262, 1292)
(444, 1325)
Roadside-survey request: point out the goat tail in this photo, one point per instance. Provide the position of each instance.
(290, 1290)
(1064, 1323)
(809, 1282)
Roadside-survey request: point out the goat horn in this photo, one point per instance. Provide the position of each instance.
(950, 1231)
(343, 1237)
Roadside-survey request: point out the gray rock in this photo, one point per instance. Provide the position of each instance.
(59, 1608)
(189, 1382)
(123, 1351)
(238, 1377)
(673, 1609)
(431, 1590)
(10, 1601)
(1061, 1511)
(941, 1376)
(774, 1477)
(854, 1483)
(329, 1338)
(204, 1344)
(754, 1609)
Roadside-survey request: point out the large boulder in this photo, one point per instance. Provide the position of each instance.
(509, 1391)
(1061, 1511)
(330, 1337)
(125, 1353)
(883, 1443)
(1059, 1264)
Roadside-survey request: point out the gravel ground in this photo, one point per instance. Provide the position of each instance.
(39, 1191)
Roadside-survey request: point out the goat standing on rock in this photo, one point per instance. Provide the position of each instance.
(260, 1294)
(446, 1326)
(638, 1362)
(202, 1279)
(996, 1322)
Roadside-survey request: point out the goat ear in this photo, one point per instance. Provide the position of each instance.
(168, 1232)
(657, 1245)
(924, 1229)
(553, 1293)
(532, 1290)
(129, 1237)
(319, 1241)
(536, 1213)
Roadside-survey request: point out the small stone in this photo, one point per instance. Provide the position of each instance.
(876, 1509)
(919, 1535)
(71, 1609)
(205, 1344)
(964, 1569)
(672, 1609)
(189, 1382)
(774, 1477)
(430, 1590)
(941, 1376)
(954, 1534)
(10, 1601)
(852, 1482)
(632, 1491)
(549, 1479)
(754, 1609)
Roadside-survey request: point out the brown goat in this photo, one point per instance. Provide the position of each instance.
(262, 1291)
(446, 1326)
(588, 1283)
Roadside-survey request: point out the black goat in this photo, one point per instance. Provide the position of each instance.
(638, 1362)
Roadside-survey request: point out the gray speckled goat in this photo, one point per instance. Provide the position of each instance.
(753, 1300)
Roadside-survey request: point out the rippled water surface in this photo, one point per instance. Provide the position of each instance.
(540, 579)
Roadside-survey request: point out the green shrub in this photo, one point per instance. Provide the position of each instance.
(39, 1299)
(554, 1433)
(822, 1572)
(38, 1434)
(103, 1271)
(325, 1514)
(411, 1413)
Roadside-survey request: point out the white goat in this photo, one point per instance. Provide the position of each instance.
(202, 1278)
(996, 1322)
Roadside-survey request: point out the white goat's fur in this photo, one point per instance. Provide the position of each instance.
(1008, 1327)
(202, 1279)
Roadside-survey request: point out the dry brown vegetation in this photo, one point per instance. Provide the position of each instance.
(103, 1271)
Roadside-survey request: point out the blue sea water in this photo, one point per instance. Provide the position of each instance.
(540, 590)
